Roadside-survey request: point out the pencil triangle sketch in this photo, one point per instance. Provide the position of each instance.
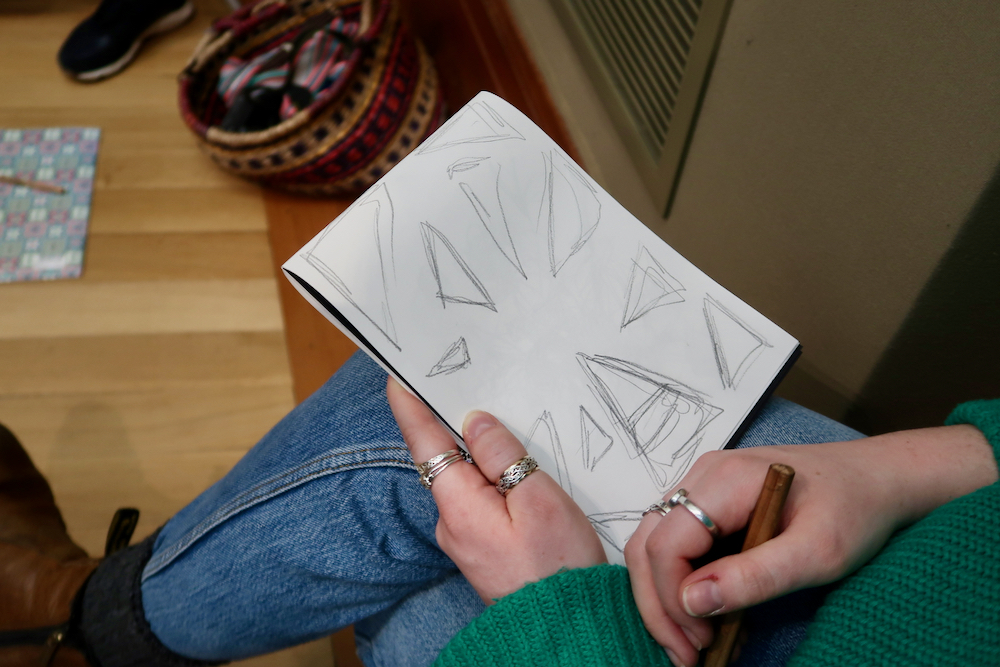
(455, 358)
(455, 280)
(475, 123)
(570, 208)
(482, 188)
(543, 434)
(659, 419)
(736, 345)
(604, 521)
(464, 164)
(649, 287)
(369, 219)
(596, 441)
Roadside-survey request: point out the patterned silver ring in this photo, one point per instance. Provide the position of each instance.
(661, 507)
(435, 466)
(680, 498)
(515, 473)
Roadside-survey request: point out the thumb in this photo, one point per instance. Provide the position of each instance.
(492, 446)
(777, 567)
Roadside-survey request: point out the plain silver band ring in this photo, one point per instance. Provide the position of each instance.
(661, 507)
(435, 466)
(515, 473)
(680, 498)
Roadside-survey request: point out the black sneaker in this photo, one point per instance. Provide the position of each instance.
(107, 41)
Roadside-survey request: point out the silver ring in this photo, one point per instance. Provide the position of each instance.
(435, 466)
(515, 473)
(661, 507)
(680, 498)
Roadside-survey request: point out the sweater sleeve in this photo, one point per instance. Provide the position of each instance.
(575, 617)
(932, 595)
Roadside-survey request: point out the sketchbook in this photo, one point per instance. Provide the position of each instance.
(488, 271)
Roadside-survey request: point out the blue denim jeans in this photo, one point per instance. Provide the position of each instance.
(323, 524)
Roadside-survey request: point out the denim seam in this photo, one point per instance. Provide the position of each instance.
(247, 500)
(309, 464)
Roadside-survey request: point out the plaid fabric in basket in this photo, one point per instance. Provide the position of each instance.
(318, 65)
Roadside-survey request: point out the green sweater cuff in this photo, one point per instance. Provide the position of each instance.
(575, 617)
(984, 415)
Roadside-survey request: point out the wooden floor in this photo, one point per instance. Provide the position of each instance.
(144, 381)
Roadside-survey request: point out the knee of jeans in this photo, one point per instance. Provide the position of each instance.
(359, 524)
(782, 422)
(340, 548)
(399, 515)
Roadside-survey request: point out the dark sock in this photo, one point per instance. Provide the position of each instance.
(112, 623)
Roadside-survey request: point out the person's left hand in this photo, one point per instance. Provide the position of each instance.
(499, 543)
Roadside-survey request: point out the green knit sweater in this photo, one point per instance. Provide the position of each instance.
(931, 596)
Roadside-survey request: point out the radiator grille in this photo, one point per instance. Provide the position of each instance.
(644, 44)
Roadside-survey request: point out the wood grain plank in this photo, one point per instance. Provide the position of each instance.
(208, 256)
(50, 310)
(148, 424)
(155, 449)
(52, 89)
(316, 348)
(89, 492)
(124, 363)
(124, 128)
(184, 167)
(317, 652)
(161, 210)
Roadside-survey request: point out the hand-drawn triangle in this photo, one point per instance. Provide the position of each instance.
(455, 358)
(548, 438)
(464, 164)
(649, 287)
(455, 280)
(605, 523)
(571, 208)
(736, 345)
(475, 123)
(346, 252)
(484, 195)
(596, 441)
(656, 416)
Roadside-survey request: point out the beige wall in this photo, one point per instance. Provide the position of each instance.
(839, 150)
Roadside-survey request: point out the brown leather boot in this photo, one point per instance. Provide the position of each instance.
(41, 568)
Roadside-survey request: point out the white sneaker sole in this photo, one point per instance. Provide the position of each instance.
(167, 23)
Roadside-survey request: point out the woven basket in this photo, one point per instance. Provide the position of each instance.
(383, 105)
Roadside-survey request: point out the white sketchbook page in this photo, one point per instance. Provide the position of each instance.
(490, 272)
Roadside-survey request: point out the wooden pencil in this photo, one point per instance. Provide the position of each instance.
(34, 185)
(763, 526)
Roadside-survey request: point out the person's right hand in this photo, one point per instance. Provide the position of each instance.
(845, 502)
(500, 543)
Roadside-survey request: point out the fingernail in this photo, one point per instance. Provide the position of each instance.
(691, 638)
(674, 659)
(703, 598)
(477, 422)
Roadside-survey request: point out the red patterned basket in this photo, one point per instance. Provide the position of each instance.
(383, 105)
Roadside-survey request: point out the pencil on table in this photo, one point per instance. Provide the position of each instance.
(763, 526)
(34, 185)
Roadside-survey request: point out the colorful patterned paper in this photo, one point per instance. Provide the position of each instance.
(42, 235)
